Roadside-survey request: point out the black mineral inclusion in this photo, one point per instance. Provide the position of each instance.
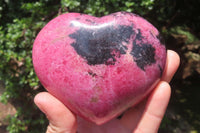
(103, 45)
(143, 54)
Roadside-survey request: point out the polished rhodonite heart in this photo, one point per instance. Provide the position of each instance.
(99, 67)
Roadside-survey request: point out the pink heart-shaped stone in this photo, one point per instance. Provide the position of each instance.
(99, 67)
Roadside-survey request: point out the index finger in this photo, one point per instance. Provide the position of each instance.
(172, 64)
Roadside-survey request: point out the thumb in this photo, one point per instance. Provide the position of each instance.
(61, 119)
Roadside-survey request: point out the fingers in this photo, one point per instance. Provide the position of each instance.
(61, 120)
(172, 64)
(154, 109)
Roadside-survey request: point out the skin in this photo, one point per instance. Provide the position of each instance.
(146, 117)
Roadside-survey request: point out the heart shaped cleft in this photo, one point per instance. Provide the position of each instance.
(99, 67)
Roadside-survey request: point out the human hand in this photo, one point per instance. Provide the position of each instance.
(144, 117)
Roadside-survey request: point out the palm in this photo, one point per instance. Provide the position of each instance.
(145, 117)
